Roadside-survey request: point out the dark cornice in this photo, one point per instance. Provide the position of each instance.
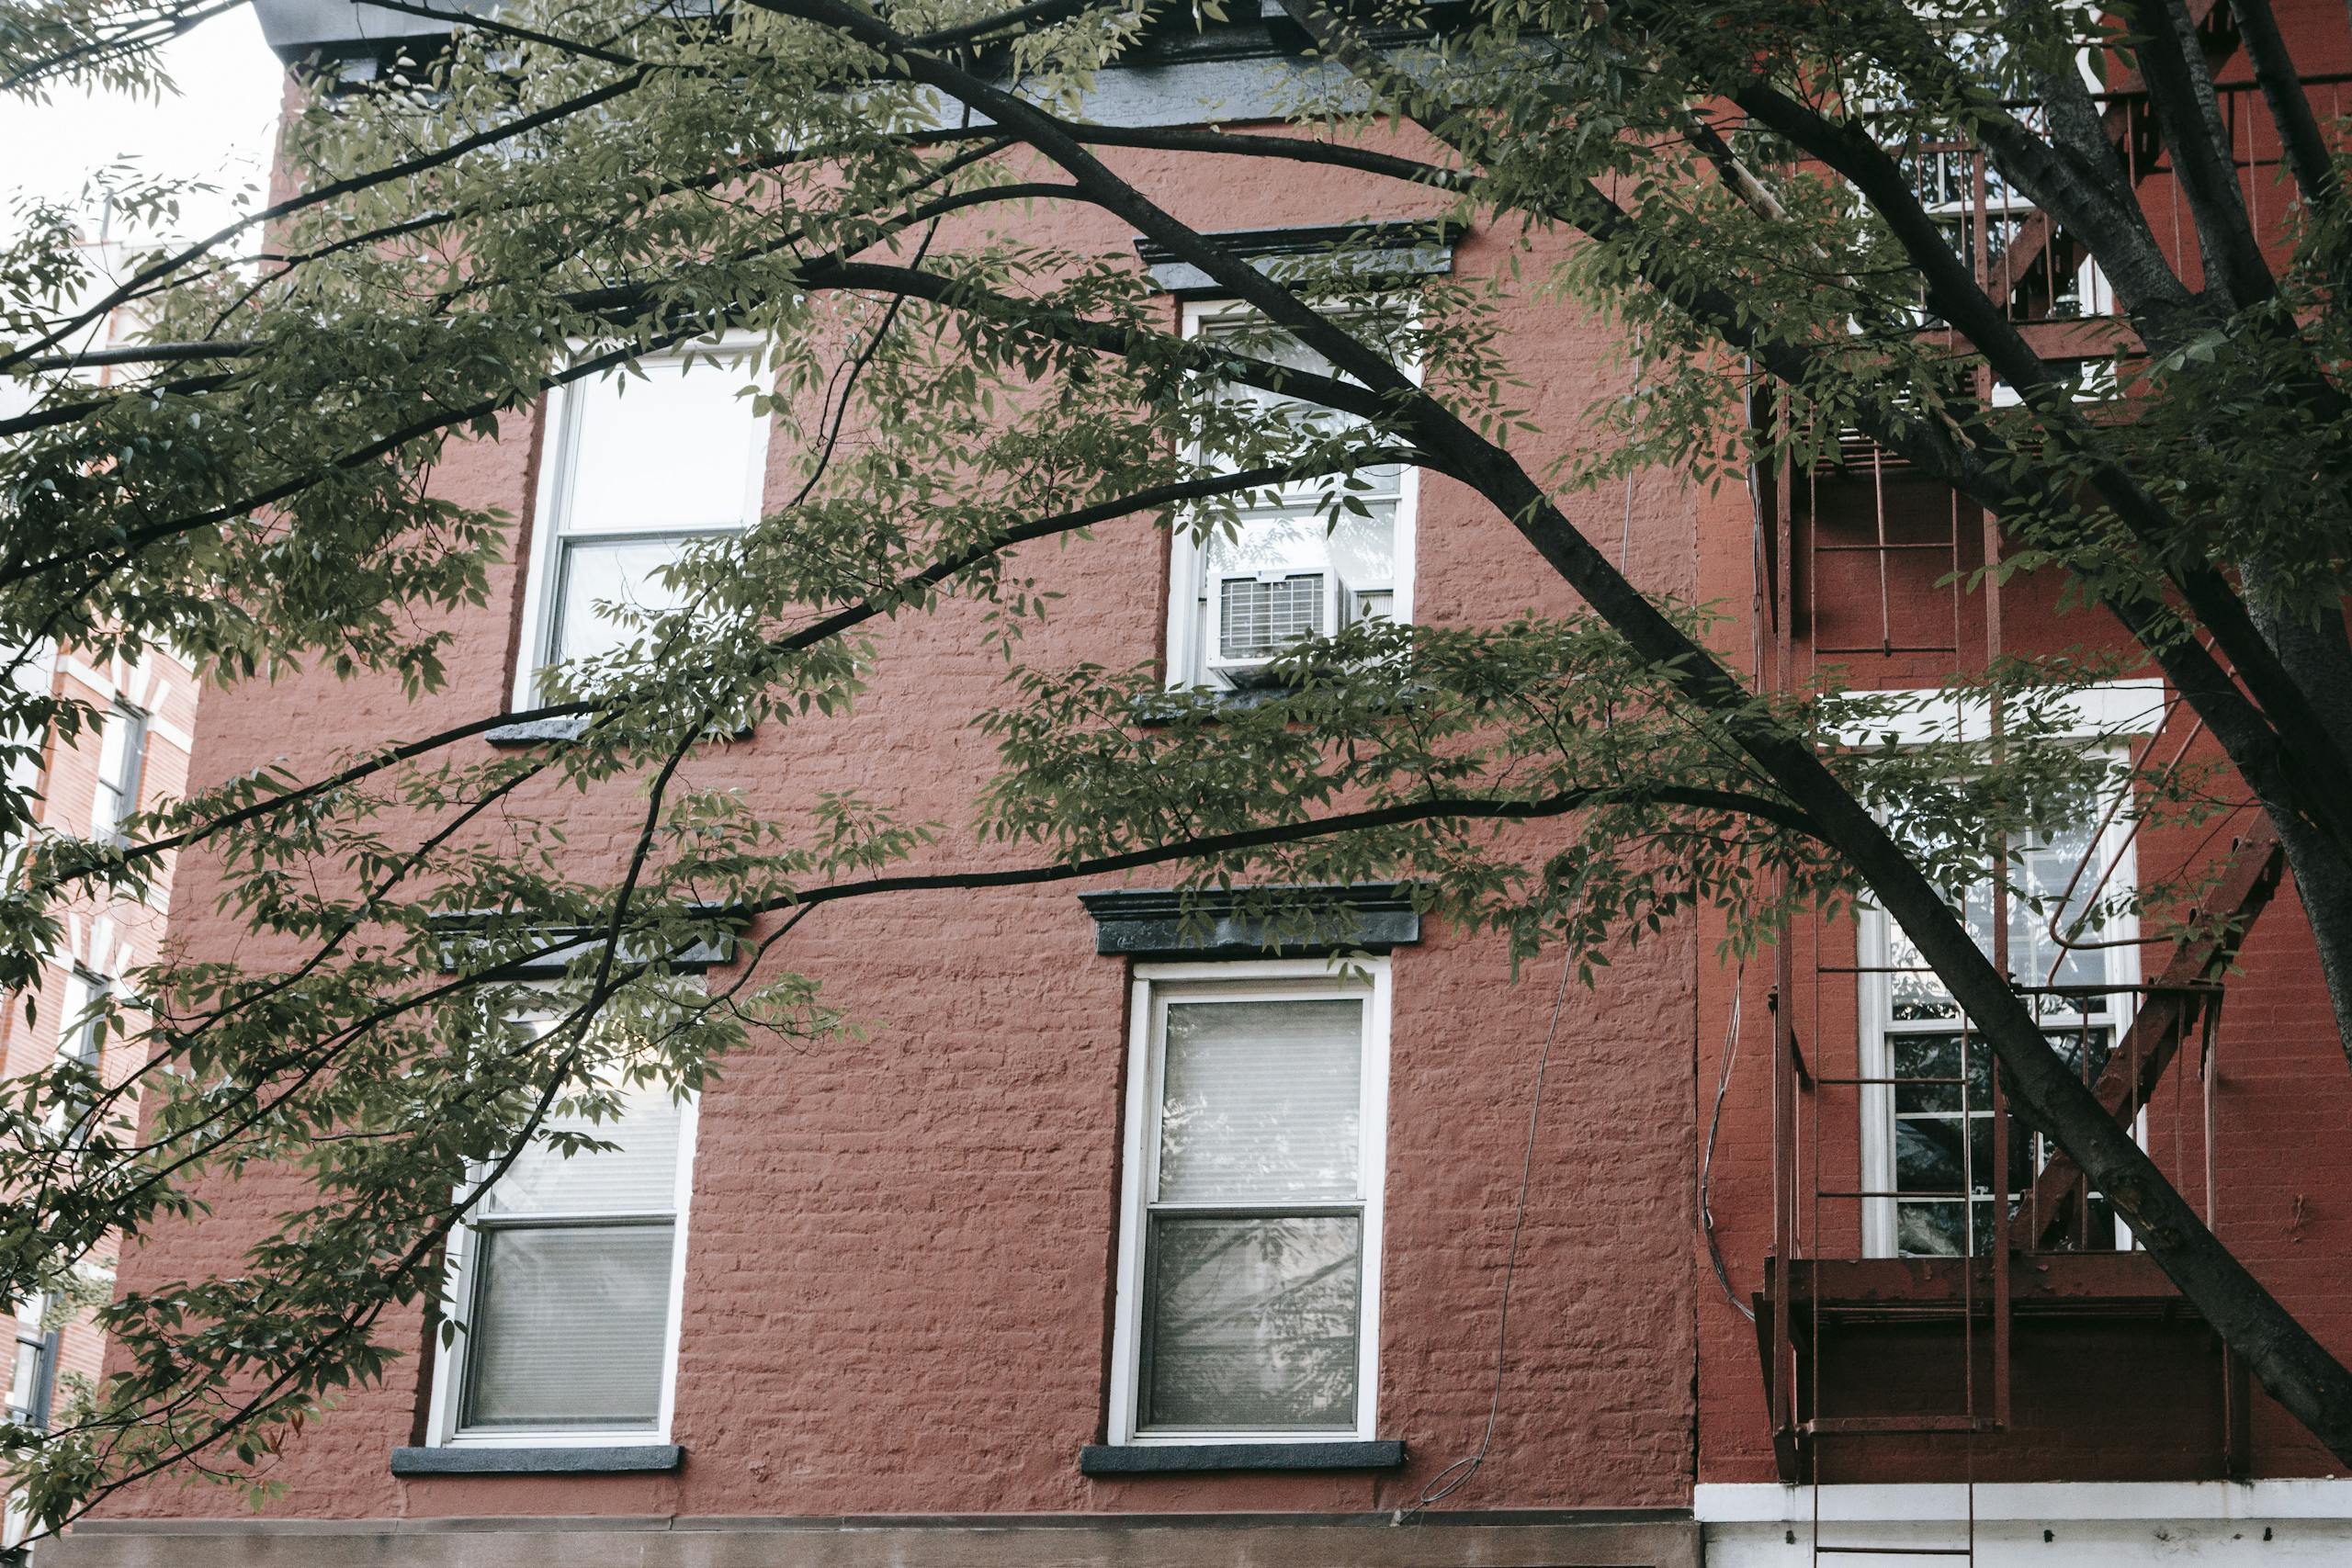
(1166, 922)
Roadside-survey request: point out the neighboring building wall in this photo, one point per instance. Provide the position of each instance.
(2121, 1443)
(105, 939)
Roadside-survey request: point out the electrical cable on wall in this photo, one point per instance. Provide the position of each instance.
(1707, 1156)
(1452, 1479)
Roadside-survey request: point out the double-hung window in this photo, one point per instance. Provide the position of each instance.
(635, 469)
(82, 1045)
(122, 767)
(1249, 1251)
(1296, 565)
(32, 1374)
(1927, 1136)
(564, 1285)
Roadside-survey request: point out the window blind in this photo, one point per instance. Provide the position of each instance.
(1260, 1101)
(568, 1279)
(570, 1326)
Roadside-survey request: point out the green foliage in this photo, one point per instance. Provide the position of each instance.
(570, 187)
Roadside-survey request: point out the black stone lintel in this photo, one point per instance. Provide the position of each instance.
(1152, 922)
(1178, 1459)
(614, 1460)
(564, 943)
(537, 731)
(1396, 249)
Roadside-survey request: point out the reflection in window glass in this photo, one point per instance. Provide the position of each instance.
(566, 1280)
(1941, 1141)
(1254, 1244)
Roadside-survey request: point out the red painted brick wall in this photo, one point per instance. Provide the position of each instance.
(900, 1250)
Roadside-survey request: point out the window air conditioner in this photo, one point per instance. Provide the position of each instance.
(1258, 617)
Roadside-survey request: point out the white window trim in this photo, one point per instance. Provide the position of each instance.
(555, 462)
(1251, 979)
(1188, 558)
(131, 727)
(2101, 711)
(2118, 848)
(449, 1359)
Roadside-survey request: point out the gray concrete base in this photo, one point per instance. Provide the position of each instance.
(1561, 1539)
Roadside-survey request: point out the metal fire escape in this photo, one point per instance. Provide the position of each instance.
(1859, 522)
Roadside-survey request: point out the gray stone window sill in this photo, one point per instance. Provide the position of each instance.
(617, 1460)
(1179, 1459)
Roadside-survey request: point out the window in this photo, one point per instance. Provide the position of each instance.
(1930, 1132)
(565, 1283)
(30, 1382)
(1249, 1249)
(634, 469)
(1288, 570)
(122, 766)
(80, 1045)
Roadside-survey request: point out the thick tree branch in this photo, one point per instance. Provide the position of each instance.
(2181, 91)
(2290, 107)
(2291, 1364)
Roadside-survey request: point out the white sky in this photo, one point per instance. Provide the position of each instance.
(219, 126)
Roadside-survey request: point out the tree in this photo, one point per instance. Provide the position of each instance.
(562, 189)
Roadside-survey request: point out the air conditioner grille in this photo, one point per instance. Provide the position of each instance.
(1256, 618)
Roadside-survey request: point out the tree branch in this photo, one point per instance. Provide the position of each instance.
(2291, 106)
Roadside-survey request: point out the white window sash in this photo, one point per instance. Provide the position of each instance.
(1154, 987)
(1188, 565)
(458, 1286)
(1873, 945)
(557, 460)
(122, 767)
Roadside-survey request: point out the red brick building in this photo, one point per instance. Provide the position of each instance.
(134, 759)
(963, 1293)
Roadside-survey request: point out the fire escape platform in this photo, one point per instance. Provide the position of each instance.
(2099, 1284)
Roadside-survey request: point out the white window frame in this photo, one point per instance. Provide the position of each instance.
(451, 1360)
(1188, 560)
(1153, 988)
(86, 988)
(2117, 848)
(558, 461)
(128, 727)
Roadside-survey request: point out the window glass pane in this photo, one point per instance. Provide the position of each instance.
(1262, 1101)
(2043, 867)
(1927, 1154)
(24, 1378)
(2047, 870)
(1928, 1230)
(567, 1328)
(121, 738)
(638, 1176)
(671, 451)
(1251, 1323)
(621, 574)
(1269, 541)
